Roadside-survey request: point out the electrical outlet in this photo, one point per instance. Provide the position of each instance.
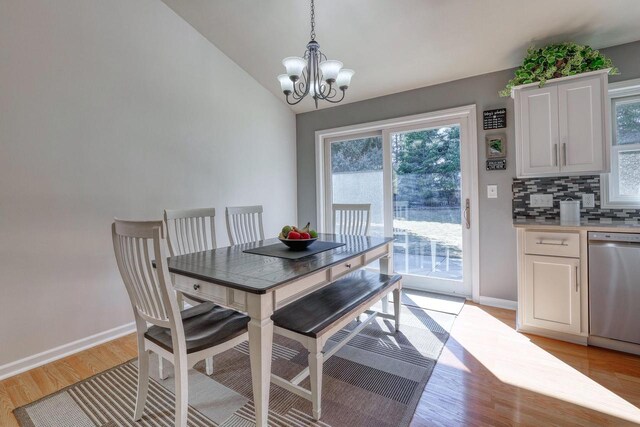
(588, 201)
(541, 200)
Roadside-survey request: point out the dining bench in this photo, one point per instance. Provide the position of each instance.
(314, 318)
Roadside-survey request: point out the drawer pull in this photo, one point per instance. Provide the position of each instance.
(196, 286)
(348, 265)
(551, 242)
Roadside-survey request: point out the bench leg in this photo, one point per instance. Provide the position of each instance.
(397, 295)
(385, 304)
(315, 373)
(162, 372)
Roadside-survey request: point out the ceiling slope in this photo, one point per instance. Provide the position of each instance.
(403, 44)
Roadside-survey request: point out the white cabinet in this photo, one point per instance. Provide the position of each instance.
(552, 284)
(552, 293)
(563, 128)
(538, 145)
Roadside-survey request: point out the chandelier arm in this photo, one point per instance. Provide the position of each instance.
(330, 93)
(337, 100)
(294, 103)
(298, 90)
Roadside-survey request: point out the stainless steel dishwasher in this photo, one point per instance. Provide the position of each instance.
(614, 286)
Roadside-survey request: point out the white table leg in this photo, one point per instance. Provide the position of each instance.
(386, 267)
(260, 309)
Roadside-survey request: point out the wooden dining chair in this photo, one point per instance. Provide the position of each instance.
(188, 231)
(244, 224)
(353, 219)
(185, 337)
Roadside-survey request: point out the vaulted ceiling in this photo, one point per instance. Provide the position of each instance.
(397, 45)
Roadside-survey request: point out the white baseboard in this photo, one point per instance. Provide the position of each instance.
(497, 302)
(22, 365)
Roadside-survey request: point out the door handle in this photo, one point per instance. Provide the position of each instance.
(577, 278)
(467, 213)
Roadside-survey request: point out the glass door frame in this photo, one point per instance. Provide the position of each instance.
(466, 118)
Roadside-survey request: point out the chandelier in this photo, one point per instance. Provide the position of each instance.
(314, 74)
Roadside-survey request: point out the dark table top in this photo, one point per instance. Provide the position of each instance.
(236, 269)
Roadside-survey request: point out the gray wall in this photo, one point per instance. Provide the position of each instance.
(116, 108)
(497, 237)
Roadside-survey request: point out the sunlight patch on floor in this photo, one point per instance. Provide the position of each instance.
(548, 376)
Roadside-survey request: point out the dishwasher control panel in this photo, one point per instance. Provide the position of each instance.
(614, 237)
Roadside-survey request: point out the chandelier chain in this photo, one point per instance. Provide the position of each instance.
(313, 21)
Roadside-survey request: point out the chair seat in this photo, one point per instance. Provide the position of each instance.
(205, 325)
(317, 311)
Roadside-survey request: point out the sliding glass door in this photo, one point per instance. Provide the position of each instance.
(428, 216)
(417, 180)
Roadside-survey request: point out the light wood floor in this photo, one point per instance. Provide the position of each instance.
(487, 375)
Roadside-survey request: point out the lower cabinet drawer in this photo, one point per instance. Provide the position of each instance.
(552, 243)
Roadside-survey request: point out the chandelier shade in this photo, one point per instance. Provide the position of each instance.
(313, 74)
(294, 66)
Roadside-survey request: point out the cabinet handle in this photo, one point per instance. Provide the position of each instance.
(551, 243)
(196, 287)
(564, 153)
(556, 153)
(348, 265)
(577, 278)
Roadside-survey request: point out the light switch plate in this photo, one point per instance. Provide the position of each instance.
(541, 200)
(588, 201)
(492, 191)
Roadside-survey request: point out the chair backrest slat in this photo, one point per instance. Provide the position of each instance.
(244, 224)
(352, 219)
(136, 244)
(190, 230)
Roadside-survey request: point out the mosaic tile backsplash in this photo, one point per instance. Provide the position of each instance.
(562, 188)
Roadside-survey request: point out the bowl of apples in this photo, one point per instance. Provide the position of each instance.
(298, 239)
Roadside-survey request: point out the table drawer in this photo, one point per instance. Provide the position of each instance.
(203, 290)
(552, 243)
(346, 266)
(376, 253)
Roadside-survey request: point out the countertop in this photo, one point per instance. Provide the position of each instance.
(612, 225)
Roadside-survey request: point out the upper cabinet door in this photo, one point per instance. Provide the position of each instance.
(581, 113)
(538, 128)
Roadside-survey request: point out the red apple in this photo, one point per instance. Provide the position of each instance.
(293, 235)
(305, 236)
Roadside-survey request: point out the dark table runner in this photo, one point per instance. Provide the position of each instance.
(280, 250)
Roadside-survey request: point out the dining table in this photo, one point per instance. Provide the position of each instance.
(242, 278)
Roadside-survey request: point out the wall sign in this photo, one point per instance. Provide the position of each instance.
(494, 119)
(497, 165)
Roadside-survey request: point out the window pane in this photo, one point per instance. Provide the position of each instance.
(629, 173)
(356, 176)
(628, 122)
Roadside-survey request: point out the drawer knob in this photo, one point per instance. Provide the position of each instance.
(348, 265)
(196, 286)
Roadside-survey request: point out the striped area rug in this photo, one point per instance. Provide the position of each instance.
(375, 380)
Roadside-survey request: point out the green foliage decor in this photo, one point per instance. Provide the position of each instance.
(557, 60)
